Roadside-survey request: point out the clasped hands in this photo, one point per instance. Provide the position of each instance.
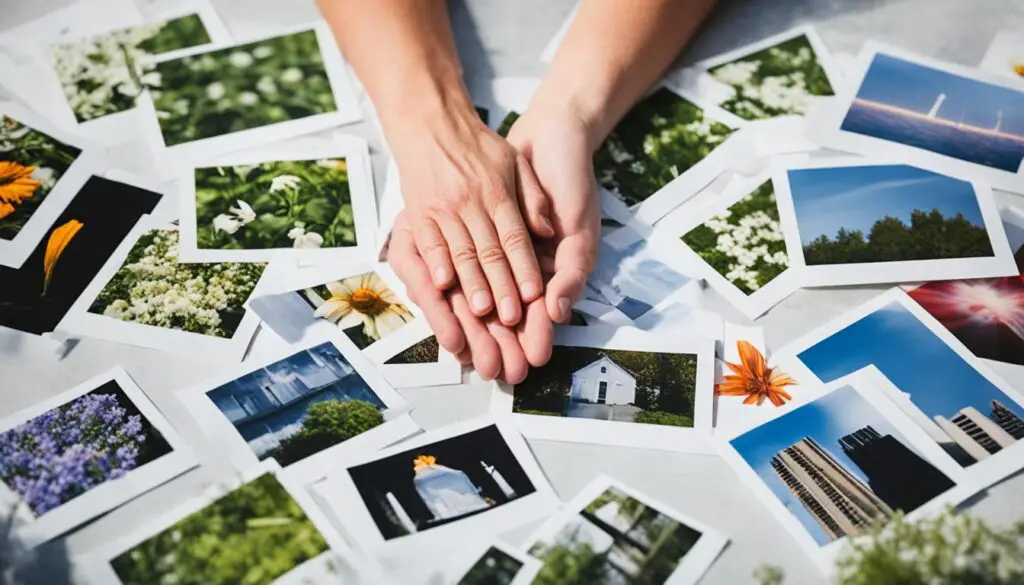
(498, 236)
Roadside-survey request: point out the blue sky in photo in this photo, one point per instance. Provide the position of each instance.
(855, 198)
(938, 380)
(893, 81)
(825, 420)
(635, 272)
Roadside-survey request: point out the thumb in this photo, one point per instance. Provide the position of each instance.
(533, 201)
(574, 260)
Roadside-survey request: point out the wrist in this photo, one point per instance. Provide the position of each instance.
(579, 107)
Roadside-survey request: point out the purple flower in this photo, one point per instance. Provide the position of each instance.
(69, 450)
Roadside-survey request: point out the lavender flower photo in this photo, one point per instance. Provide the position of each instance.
(69, 450)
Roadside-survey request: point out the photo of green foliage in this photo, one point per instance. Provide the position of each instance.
(424, 352)
(326, 424)
(103, 74)
(614, 539)
(494, 567)
(658, 140)
(745, 243)
(31, 164)
(776, 81)
(238, 88)
(278, 204)
(153, 288)
(665, 387)
(253, 535)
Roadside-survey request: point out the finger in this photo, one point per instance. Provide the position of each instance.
(485, 350)
(492, 256)
(535, 334)
(574, 260)
(465, 357)
(407, 264)
(464, 255)
(513, 362)
(433, 249)
(518, 246)
(533, 202)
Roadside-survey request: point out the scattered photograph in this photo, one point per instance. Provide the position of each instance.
(103, 74)
(33, 163)
(838, 466)
(1006, 54)
(300, 405)
(743, 243)
(363, 306)
(492, 564)
(778, 80)
(943, 110)
(63, 458)
(612, 385)
(965, 410)
(36, 296)
(611, 535)
(661, 138)
(247, 86)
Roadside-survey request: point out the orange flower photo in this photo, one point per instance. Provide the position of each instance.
(753, 379)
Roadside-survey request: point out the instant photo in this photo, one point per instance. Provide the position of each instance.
(609, 532)
(36, 296)
(265, 530)
(974, 416)
(301, 409)
(84, 452)
(969, 121)
(40, 171)
(617, 386)
(836, 466)
(858, 222)
(498, 565)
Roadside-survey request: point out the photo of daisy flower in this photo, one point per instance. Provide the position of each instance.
(363, 306)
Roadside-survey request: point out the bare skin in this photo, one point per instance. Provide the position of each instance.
(498, 237)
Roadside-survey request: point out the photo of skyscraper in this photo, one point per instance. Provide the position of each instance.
(839, 465)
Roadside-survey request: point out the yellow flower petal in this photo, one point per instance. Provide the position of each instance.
(59, 240)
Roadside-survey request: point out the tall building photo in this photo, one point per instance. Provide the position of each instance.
(980, 435)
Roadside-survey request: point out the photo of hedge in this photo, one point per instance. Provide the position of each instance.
(153, 288)
(31, 164)
(276, 204)
(658, 140)
(242, 87)
(253, 535)
(103, 75)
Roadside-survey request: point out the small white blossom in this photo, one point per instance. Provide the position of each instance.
(240, 59)
(225, 223)
(304, 239)
(282, 182)
(291, 75)
(248, 98)
(263, 51)
(215, 90)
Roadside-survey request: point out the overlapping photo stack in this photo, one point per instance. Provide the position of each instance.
(734, 183)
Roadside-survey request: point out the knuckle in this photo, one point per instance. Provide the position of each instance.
(464, 254)
(491, 255)
(435, 248)
(516, 240)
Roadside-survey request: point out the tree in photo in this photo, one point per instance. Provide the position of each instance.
(31, 163)
(658, 140)
(326, 424)
(745, 243)
(776, 81)
(253, 535)
(929, 236)
(280, 204)
(153, 288)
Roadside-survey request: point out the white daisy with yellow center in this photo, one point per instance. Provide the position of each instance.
(365, 298)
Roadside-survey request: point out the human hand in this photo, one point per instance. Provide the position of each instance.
(559, 147)
(466, 194)
(494, 349)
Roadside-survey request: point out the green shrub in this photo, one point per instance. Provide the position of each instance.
(657, 417)
(327, 423)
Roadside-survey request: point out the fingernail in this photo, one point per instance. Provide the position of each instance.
(563, 307)
(507, 309)
(481, 301)
(529, 290)
(440, 276)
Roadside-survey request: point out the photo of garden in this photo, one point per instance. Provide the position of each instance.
(777, 81)
(495, 567)
(153, 288)
(67, 451)
(423, 352)
(31, 164)
(255, 535)
(276, 204)
(613, 385)
(745, 243)
(238, 88)
(614, 539)
(300, 405)
(443, 482)
(103, 75)
(658, 140)
(887, 213)
(363, 306)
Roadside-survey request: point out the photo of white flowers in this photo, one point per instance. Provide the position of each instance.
(152, 288)
(776, 81)
(102, 75)
(363, 306)
(745, 242)
(277, 204)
